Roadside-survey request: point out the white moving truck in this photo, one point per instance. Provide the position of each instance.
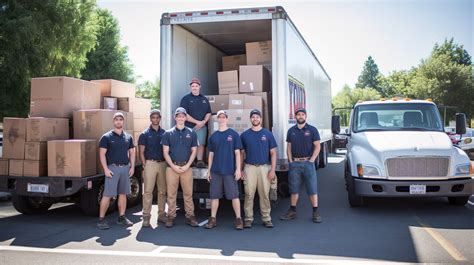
(193, 44)
(398, 148)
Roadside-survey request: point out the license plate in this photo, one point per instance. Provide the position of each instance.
(41, 188)
(417, 189)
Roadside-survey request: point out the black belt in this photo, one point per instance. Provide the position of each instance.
(256, 165)
(180, 163)
(301, 159)
(119, 165)
(155, 160)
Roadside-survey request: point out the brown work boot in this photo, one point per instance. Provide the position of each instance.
(211, 223)
(268, 224)
(169, 222)
(290, 215)
(162, 219)
(146, 221)
(191, 220)
(239, 224)
(248, 224)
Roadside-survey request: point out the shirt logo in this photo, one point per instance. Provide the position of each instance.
(264, 137)
(229, 138)
(203, 101)
(307, 133)
(188, 136)
(191, 101)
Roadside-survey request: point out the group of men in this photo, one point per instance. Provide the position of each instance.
(167, 158)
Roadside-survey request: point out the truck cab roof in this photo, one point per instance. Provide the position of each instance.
(394, 101)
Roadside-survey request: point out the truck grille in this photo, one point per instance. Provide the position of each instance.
(417, 166)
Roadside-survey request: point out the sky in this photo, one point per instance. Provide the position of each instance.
(342, 34)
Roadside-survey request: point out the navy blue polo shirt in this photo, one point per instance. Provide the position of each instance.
(223, 145)
(257, 146)
(180, 143)
(117, 147)
(302, 140)
(196, 106)
(151, 139)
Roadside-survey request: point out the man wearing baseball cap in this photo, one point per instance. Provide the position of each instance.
(260, 155)
(224, 169)
(117, 157)
(303, 146)
(154, 165)
(179, 151)
(199, 113)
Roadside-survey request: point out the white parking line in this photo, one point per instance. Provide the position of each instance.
(159, 249)
(203, 222)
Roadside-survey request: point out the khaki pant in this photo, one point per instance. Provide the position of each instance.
(173, 180)
(155, 175)
(257, 181)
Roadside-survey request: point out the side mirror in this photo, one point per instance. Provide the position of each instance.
(336, 124)
(460, 123)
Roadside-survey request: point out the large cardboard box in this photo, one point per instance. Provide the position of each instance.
(228, 82)
(254, 78)
(259, 53)
(239, 119)
(32, 168)
(45, 129)
(243, 101)
(141, 124)
(212, 125)
(233, 62)
(72, 158)
(218, 102)
(266, 109)
(15, 167)
(14, 137)
(115, 88)
(3, 167)
(58, 97)
(92, 124)
(36, 151)
(140, 107)
(108, 103)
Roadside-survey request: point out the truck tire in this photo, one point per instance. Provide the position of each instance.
(135, 196)
(323, 155)
(31, 205)
(283, 185)
(90, 200)
(354, 199)
(458, 200)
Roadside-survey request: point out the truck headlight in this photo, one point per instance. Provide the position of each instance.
(464, 169)
(370, 171)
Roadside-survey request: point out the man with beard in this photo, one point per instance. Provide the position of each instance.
(117, 157)
(154, 164)
(258, 146)
(303, 146)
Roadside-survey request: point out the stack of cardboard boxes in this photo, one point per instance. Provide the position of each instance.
(244, 84)
(47, 144)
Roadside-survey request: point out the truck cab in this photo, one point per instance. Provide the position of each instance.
(398, 148)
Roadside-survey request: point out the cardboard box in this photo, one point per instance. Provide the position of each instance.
(72, 158)
(33, 168)
(36, 151)
(59, 97)
(15, 167)
(230, 63)
(218, 102)
(228, 82)
(259, 53)
(14, 138)
(115, 88)
(4, 167)
(266, 109)
(141, 124)
(140, 107)
(109, 103)
(92, 124)
(243, 101)
(254, 78)
(45, 129)
(212, 125)
(239, 119)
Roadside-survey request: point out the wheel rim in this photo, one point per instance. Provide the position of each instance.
(134, 189)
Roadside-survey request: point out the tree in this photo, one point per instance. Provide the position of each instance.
(151, 91)
(369, 78)
(397, 83)
(41, 38)
(347, 98)
(456, 52)
(108, 59)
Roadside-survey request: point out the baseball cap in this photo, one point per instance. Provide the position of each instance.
(180, 110)
(255, 111)
(300, 110)
(195, 80)
(222, 112)
(155, 111)
(119, 114)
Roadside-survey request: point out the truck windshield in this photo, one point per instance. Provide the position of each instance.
(397, 117)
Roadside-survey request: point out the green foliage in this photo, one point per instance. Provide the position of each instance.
(108, 59)
(348, 97)
(456, 52)
(150, 90)
(369, 76)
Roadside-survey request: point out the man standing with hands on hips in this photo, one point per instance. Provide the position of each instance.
(153, 162)
(117, 157)
(179, 150)
(260, 154)
(198, 111)
(303, 146)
